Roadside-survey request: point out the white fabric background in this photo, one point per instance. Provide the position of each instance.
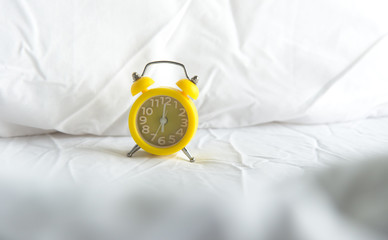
(66, 65)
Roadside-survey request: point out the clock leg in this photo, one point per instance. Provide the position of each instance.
(187, 153)
(134, 149)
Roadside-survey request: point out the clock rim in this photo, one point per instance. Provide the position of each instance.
(192, 116)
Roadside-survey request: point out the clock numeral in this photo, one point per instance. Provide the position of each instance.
(176, 104)
(179, 132)
(168, 101)
(171, 139)
(165, 100)
(156, 102)
(143, 120)
(147, 111)
(161, 140)
(183, 122)
(182, 112)
(145, 129)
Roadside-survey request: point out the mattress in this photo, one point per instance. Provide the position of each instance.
(254, 174)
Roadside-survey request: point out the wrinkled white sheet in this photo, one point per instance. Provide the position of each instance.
(66, 66)
(250, 167)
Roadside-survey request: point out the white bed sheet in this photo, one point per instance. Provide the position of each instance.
(273, 151)
(242, 162)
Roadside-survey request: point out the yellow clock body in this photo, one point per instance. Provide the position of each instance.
(163, 120)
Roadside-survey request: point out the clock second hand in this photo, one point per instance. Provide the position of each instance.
(153, 138)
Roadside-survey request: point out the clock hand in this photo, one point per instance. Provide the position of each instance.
(164, 110)
(163, 120)
(153, 138)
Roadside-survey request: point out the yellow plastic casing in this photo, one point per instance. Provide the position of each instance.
(186, 102)
(141, 85)
(188, 88)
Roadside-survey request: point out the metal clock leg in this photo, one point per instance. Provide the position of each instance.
(187, 153)
(134, 149)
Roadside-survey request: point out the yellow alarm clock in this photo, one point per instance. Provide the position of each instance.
(163, 120)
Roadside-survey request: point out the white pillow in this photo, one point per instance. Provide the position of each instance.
(67, 66)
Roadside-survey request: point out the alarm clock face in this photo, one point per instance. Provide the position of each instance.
(162, 121)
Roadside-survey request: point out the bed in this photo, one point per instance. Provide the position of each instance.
(240, 169)
(293, 127)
